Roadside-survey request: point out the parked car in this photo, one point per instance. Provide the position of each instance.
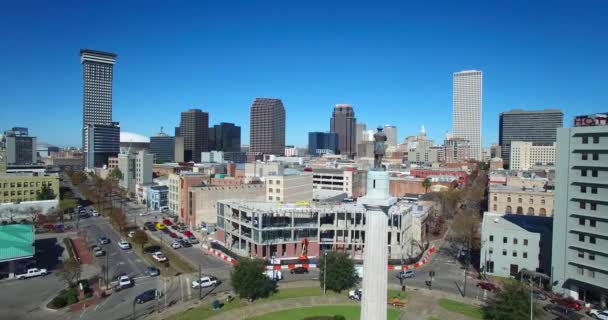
(487, 286)
(103, 240)
(188, 233)
(406, 274)
(152, 271)
(274, 275)
(356, 294)
(598, 314)
(299, 270)
(205, 282)
(172, 235)
(94, 213)
(176, 245)
(539, 295)
(98, 251)
(124, 282)
(131, 234)
(148, 295)
(33, 272)
(149, 226)
(165, 230)
(151, 249)
(160, 226)
(167, 222)
(568, 302)
(124, 245)
(193, 240)
(185, 243)
(145, 213)
(159, 256)
(562, 312)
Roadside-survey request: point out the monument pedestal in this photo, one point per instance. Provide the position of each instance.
(377, 202)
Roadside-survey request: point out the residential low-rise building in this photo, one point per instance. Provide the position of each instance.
(511, 243)
(157, 197)
(520, 200)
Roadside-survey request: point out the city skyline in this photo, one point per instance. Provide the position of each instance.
(521, 66)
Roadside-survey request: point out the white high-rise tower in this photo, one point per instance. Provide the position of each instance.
(467, 109)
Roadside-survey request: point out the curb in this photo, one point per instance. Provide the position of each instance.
(220, 254)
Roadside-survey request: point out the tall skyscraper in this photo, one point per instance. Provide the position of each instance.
(194, 127)
(467, 103)
(167, 148)
(344, 123)
(225, 137)
(267, 126)
(536, 126)
(391, 135)
(361, 134)
(97, 76)
(322, 143)
(579, 260)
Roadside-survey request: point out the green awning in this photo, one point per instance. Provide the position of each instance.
(16, 242)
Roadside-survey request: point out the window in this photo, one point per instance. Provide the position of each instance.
(269, 197)
(504, 239)
(594, 190)
(525, 242)
(581, 205)
(491, 238)
(269, 181)
(494, 207)
(508, 199)
(583, 172)
(580, 271)
(592, 256)
(514, 240)
(594, 173)
(593, 206)
(278, 181)
(270, 189)
(596, 139)
(596, 156)
(514, 253)
(585, 140)
(491, 250)
(584, 156)
(504, 252)
(581, 237)
(278, 198)
(592, 239)
(525, 255)
(581, 254)
(519, 200)
(542, 201)
(531, 201)
(583, 189)
(591, 273)
(592, 223)
(495, 198)
(581, 221)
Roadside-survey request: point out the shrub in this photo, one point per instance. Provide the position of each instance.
(339, 317)
(71, 299)
(58, 302)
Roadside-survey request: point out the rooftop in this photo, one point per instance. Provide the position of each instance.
(97, 52)
(514, 189)
(131, 137)
(16, 242)
(517, 222)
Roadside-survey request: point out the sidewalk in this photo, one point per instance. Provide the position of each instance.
(82, 251)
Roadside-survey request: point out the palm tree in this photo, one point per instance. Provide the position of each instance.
(426, 183)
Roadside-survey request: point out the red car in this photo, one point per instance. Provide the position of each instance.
(188, 234)
(167, 222)
(568, 302)
(172, 235)
(487, 286)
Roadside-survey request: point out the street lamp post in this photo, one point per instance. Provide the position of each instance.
(324, 272)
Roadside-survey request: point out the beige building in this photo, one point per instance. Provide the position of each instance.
(350, 181)
(525, 155)
(20, 187)
(204, 199)
(178, 187)
(289, 188)
(520, 200)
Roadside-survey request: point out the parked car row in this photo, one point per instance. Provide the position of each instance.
(166, 226)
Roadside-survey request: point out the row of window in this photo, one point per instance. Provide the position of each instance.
(592, 222)
(542, 212)
(584, 173)
(589, 273)
(506, 239)
(18, 193)
(590, 256)
(275, 198)
(585, 156)
(581, 238)
(25, 184)
(520, 200)
(583, 205)
(277, 181)
(276, 190)
(595, 140)
(584, 189)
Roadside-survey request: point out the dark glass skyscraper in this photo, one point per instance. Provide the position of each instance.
(194, 127)
(267, 126)
(97, 76)
(322, 143)
(344, 123)
(225, 137)
(536, 126)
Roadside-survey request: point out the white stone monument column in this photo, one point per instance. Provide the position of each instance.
(377, 201)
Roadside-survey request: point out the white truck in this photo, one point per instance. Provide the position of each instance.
(30, 273)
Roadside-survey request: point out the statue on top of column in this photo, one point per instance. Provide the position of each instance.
(379, 146)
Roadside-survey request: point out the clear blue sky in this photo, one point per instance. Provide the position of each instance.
(393, 61)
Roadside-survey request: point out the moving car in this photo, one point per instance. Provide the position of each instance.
(124, 245)
(205, 282)
(406, 274)
(94, 213)
(598, 314)
(487, 286)
(568, 303)
(356, 294)
(124, 282)
(103, 240)
(176, 245)
(33, 272)
(299, 270)
(148, 295)
(159, 256)
(131, 234)
(562, 312)
(152, 271)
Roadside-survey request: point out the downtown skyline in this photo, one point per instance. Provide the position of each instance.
(387, 80)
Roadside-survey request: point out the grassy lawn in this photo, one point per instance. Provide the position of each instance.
(207, 311)
(462, 308)
(349, 312)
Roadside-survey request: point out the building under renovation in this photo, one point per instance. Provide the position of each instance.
(267, 229)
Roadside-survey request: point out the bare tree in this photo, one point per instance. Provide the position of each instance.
(33, 213)
(70, 271)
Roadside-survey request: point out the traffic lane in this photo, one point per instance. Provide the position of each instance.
(25, 299)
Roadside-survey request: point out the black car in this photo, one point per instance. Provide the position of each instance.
(149, 226)
(148, 295)
(103, 240)
(299, 270)
(562, 312)
(184, 243)
(166, 230)
(151, 249)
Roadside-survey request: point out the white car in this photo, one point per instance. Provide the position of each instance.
(124, 245)
(159, 256)
(124, 282)
(176, 245)
(94, 213)
(275, 275)
(205, 282)
(599, 314)
(131, 234)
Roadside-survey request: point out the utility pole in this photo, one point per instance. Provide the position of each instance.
(324, 272)
(107, 267)
(531, 301)
(466, 268)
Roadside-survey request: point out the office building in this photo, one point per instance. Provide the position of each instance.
(320, 143)
(167, 148)
(136, 168)
(225, 137)
(289, 188)
(344, 123)
(532, 201)
(467, 104)
(526, 155)
(456, 149)
(100, 143)
(21, 148)
(536, 126)
(361, 134)
(3, 161)
(204, 199)
(24, 186)
(495, 151)
(133, 141)
(194, 128)
(580, 261)
(212, 156)
(179, 184)
(267, 127)
(350, 181)
(97, 75)
(512, 243)
(391, 135)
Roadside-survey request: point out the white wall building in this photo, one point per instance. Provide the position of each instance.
(212, 156)
(467, 104)
(525, 155)
(136, 168)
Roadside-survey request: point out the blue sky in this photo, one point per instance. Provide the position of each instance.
(393, 61)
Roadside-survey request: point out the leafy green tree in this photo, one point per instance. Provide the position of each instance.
(341, 273)
(45, 193)
(140, 237)
(249, 281)
(426, 184)
(512, 303)
(115, 174)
